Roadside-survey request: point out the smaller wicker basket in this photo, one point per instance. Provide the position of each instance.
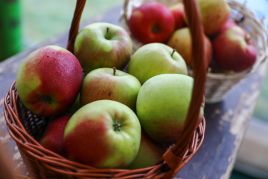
(218, 84)
(25, 127)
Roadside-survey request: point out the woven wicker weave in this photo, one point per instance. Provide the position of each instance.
(218, 84)
(25, 127)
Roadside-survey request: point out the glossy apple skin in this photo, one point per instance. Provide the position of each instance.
(214, 14)
(233, 50)
(151, 22)
(53, 136)
(49, 80)
(181, 40)
(154, 59)
(178, 13)
(104, 134)
(96, 48)
(162, 106)
(149, 154)
(103, 83)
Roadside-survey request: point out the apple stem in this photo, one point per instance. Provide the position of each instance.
(114, 71)
(172, 53)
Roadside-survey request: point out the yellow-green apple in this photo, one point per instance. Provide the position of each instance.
(102, 45)
(104, 134)
(214, 14)
(154, 59)
(53, 136)
(234, 50)
(151, 22)
(179, 15)
(149, 153)
(181, 41)
(49, 80)
(109, 83)
(162, 106)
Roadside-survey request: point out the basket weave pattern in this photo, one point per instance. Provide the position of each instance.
(25, 127)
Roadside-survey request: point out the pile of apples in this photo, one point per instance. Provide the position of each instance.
(107, 106)
(228, 48)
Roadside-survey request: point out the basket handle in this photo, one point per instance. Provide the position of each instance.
(172, 157)
(80, 4)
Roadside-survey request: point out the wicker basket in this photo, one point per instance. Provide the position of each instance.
(25, 127)
(218, 84)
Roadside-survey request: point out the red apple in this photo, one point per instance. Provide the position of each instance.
(151, 22)
(181, 41)
(149, 154)
(49, 80)
(104, 134)
(179, 15)
(233, 50)
(53, 136)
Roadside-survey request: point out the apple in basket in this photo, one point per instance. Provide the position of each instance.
(149, 154)
(214, 14)
(181, 41)
(154, 59)
(162, 106)
(233, 49)
(102, 45)
(49, 80)
(179, 15)
(104, 134)
(53, 136)
(151, 22)
(109, 83)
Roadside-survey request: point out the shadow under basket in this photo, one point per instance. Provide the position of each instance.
(25, 127)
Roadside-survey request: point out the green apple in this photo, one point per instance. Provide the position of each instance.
(104, 134)
(162, 106)
(154, 59)
(149, 154)
(102, 45)
(49, 80)
(109, 83)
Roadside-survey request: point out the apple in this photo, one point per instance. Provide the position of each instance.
(214, 13)
(53, 136)
(179, 15)
(149, 154)
(234, 50)
(181, 41)
(49, 80)
(109, 83)
(104, 134)
(162, 106)
(154, 59)
(102, 45)
(151, 22)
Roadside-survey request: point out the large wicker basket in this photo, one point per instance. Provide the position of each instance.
(25, 127)
(218, 84)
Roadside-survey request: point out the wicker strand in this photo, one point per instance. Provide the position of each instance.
(80, 4)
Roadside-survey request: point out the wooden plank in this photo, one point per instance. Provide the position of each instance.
(226, 121)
